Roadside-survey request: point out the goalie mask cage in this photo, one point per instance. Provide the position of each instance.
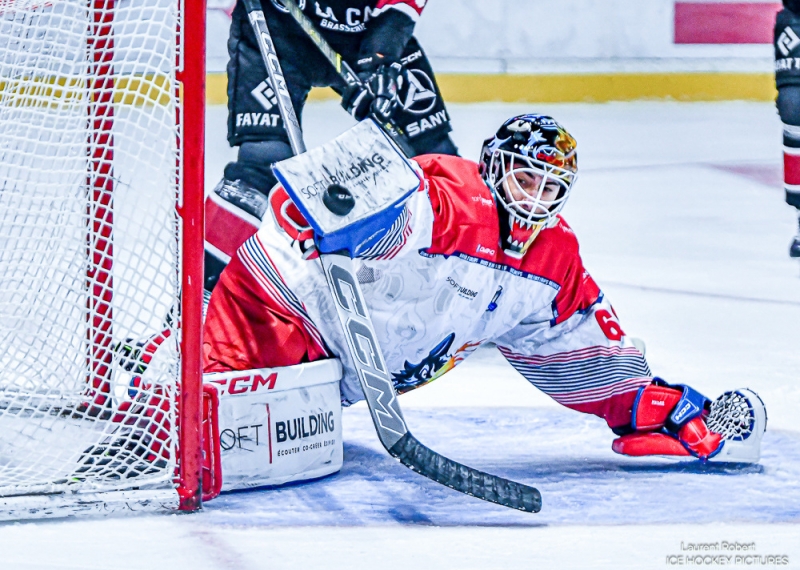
(101, 240)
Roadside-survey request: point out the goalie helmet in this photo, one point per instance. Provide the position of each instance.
(530, 164)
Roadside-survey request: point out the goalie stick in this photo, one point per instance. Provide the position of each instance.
(366, 353)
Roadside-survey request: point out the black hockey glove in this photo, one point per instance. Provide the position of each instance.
(378, 92)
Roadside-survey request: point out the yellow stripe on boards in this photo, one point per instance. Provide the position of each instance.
(66, 91)
(216, 89)
(457, 88)
(463, 88)
(596, 87)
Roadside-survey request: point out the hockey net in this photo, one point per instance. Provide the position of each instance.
(101, 114)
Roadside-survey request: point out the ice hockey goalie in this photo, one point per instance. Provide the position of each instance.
(478, 254)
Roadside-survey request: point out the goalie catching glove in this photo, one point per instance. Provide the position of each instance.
(378, 91)
(676, 420)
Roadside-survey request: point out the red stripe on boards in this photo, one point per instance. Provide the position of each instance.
(725, 22)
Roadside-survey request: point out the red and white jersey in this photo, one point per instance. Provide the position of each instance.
(439, 286)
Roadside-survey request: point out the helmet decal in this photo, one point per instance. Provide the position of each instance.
(519, 126)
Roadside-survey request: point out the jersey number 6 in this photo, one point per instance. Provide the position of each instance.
(609, 325)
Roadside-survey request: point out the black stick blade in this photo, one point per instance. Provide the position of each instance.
(424, 461)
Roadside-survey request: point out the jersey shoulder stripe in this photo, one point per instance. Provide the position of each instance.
(257, 261)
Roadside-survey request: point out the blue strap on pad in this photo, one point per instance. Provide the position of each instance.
(691, 405)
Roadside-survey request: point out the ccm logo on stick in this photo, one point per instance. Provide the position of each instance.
(249, 383)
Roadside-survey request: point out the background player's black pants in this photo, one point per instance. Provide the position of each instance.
(788, 104)
(253, 115)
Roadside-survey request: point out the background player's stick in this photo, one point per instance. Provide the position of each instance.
(366, 353)
(344, 70)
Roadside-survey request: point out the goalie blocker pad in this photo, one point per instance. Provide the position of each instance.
(366, 163)
(278, 425)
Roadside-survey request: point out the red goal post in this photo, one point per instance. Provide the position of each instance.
(102, 113)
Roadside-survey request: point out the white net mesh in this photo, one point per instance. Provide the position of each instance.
(89, 245)
(731, 416)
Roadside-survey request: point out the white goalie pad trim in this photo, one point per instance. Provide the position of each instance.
(245, 382)
(216, 252)
(279, 425)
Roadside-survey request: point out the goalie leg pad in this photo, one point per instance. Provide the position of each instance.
(233, 213)
(278, 425)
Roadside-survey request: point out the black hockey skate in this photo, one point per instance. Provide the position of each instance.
(794, 248)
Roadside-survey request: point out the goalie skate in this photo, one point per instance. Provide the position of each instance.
(740, 417)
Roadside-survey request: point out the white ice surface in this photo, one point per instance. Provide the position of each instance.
(681, 218)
